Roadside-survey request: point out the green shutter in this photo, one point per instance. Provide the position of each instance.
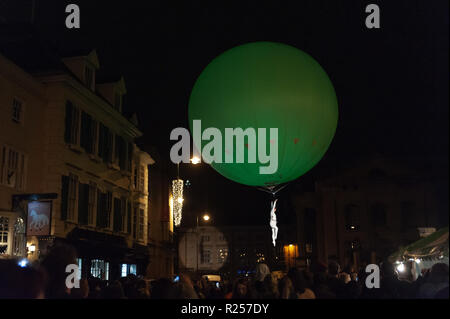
(69, 119)
(64, 196)
(83, 197)
(129, 212)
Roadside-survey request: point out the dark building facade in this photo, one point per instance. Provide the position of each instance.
(366, 212)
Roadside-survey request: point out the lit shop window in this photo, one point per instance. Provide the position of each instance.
(79, 264)
(128, 269)
(4, 232)
(100, 269)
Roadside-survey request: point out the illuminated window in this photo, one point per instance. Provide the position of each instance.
(80, 264)
(100, 269)
(222, 255)
(124, 270)
(128, 269)
(4, 234)
(352, 217)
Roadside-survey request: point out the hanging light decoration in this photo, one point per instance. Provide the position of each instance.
(177, 193)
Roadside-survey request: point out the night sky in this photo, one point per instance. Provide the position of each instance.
(392, 83)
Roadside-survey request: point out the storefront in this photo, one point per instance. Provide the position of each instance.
(106, 256)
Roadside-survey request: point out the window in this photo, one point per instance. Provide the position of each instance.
(100, 269)
(120, 206)
(92, 203)
(79, 264)
(4, 234)
(135, 180)
(19, 241)
(135, 212)
(72, 129)
(206, 257)
(17, 110)
(142, 178)
(378, 214)
(222, 255)
(409, 216)
(127, 269)
(12, 168)
(109, 209)
(72, 197)
(141, 224)
(88, 77)
(352, 217)
(88, 133)
(205, 238)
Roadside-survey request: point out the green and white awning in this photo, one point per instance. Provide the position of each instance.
(434, 246)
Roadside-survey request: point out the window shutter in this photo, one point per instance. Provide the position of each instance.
(100, 208)
(64, 196)
(109, 146)
(129, 212)
(117, 216)
(84, 134)
(83, 204)
(69, 119)
(108, 211)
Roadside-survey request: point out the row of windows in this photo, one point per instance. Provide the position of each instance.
(86, 204)
(378, 215)
(12, 168)
(95, 138)
(100, 268)
(222, 255)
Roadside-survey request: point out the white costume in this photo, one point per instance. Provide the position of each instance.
(273, 221)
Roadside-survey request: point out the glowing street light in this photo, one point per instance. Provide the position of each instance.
(195, 160)
(206, 217)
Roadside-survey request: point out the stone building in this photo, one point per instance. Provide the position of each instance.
(70, 169)
(366, 212)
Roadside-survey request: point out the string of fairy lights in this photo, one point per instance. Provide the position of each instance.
(177, 198)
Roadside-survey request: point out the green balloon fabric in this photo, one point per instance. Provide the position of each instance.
(267, 85)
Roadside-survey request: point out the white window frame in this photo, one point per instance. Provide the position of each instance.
(21, 111)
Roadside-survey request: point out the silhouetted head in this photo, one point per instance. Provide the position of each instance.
(333, 268)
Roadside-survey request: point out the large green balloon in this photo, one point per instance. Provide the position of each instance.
(268, 85)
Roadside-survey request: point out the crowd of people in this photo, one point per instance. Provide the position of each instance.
(321, 281)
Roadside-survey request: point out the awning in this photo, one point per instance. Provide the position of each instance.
(433, 246)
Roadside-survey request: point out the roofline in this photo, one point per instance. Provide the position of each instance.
(128, 127)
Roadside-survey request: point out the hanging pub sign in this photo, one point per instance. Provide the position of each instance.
(39, 217)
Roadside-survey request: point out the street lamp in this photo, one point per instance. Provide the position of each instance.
(205, 218)
(195, 160)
